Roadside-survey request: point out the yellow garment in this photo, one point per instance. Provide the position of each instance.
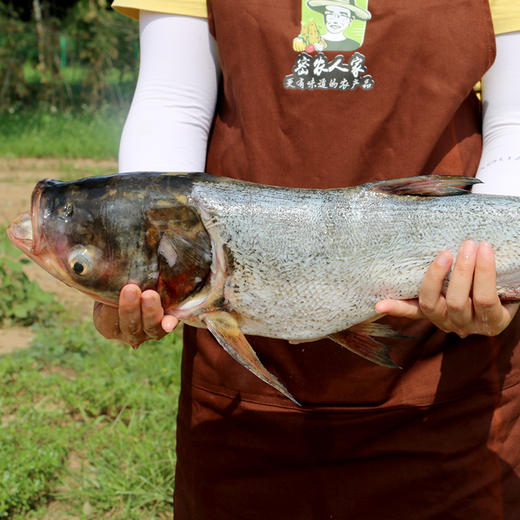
(184, 7)
(506, 13)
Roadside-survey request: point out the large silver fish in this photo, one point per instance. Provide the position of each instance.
(242, 258)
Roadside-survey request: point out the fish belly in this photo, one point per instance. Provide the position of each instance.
(306, 263)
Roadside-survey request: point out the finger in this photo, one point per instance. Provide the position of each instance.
(486, 302)
(458, 299)
(511, 309)
(152, 314)
(431, 299)
(106, 320)
(485, 284)
(300, 341)
(168, 323)
(130, 313)
(400, 308)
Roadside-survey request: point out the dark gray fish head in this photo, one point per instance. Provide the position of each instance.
(99, 233)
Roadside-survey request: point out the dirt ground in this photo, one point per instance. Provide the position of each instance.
(17, 180)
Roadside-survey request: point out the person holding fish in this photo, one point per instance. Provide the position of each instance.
(437, 439)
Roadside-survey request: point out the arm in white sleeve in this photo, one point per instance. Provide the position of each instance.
(499, 167)
(174, 102)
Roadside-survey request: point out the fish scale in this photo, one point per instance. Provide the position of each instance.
(308, 263)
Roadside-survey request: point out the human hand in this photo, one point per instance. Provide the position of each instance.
(470, 305)
(138, 318)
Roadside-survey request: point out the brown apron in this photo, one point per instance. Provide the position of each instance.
(438, 439)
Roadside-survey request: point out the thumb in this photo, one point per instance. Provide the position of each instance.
(400, 309)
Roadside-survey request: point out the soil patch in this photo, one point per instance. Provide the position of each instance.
(14, 338)
(19, 176)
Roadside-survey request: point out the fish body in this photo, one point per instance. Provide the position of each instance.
(243, 258)
(307, 263)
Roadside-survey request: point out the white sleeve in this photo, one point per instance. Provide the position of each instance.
(174, 102)
(499, 167)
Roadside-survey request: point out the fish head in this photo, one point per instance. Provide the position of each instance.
(73, 231)
(99, 233)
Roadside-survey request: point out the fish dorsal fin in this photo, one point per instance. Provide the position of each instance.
(426, 185)
(227, 332)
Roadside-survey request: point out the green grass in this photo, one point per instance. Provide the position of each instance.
(88, 424)
(68, 171)
(51, 133)
(22, 302)
(76, 74)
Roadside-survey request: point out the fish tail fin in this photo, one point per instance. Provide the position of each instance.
(358, 340)
(226, 331)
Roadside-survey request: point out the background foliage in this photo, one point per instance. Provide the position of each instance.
(76, 54)
(87, 426)
(22, 301)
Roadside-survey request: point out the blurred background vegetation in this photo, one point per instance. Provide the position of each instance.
(87, 426)
(67, 70)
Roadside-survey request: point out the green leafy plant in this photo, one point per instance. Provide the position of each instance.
(83, 53)
(31, 455)
(15, 46)
(22, 301)
(88, 426)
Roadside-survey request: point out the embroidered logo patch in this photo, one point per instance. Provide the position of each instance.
(330, 25)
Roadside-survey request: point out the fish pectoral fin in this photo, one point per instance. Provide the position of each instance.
(227, 332)
(380, 330)
(426, 185)
(363, 345)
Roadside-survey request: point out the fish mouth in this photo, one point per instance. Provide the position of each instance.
(27, 235)
(20, 232)
(23, 231)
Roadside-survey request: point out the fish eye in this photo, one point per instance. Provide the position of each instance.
(65, 210)
(68, 209)
(80, 262)
(79, 267)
